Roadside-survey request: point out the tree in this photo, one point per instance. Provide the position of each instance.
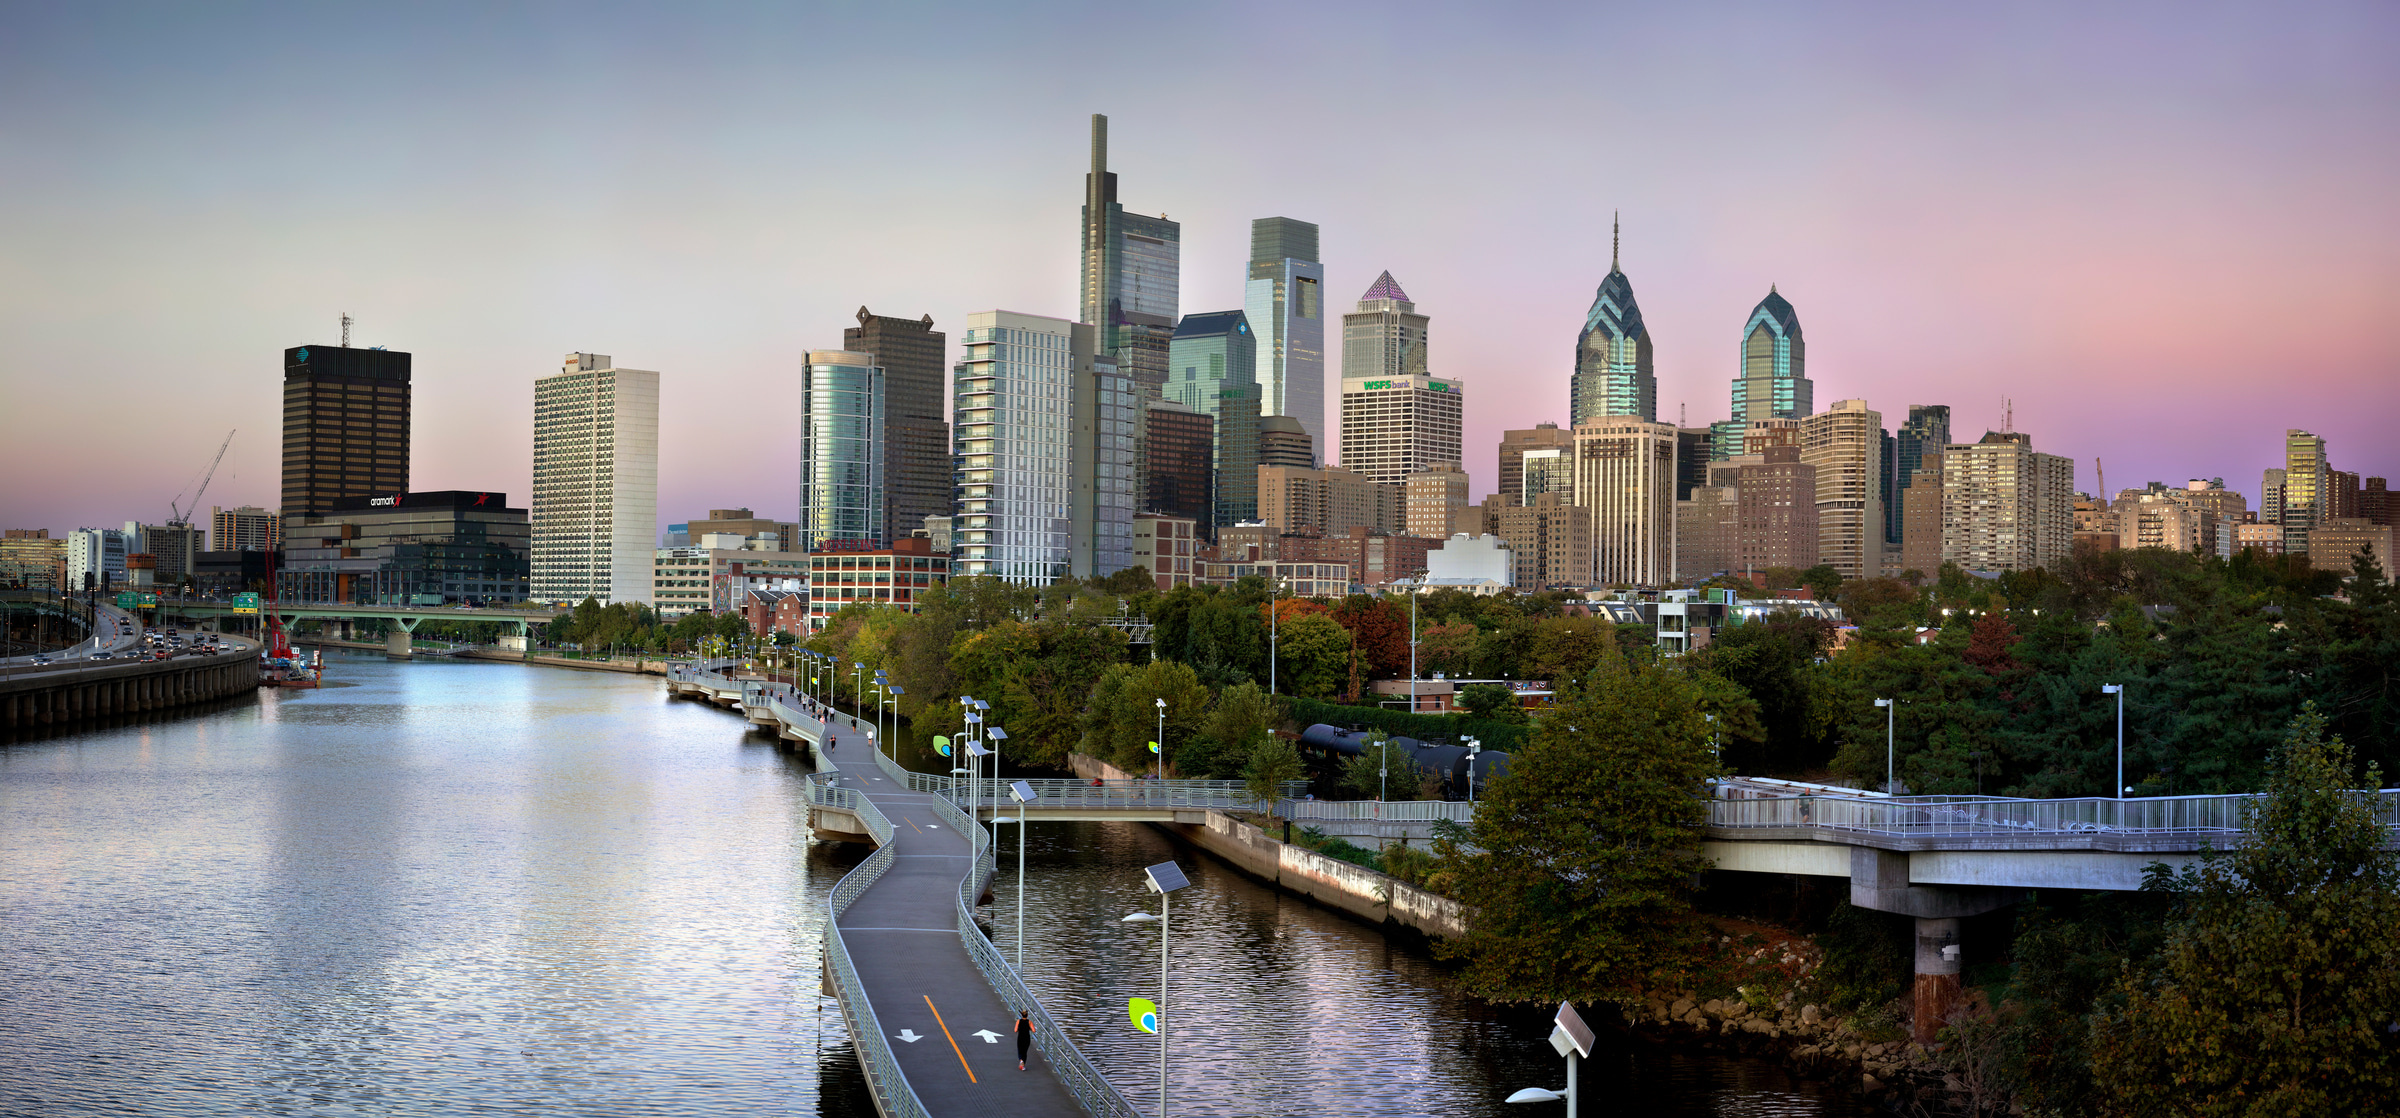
(1584, 859)
(1493, 701)
(2279, 992)
(1123, 717)
(1314, 656)
(1273, 761)
(1243, 715)
(1773, 661)
(1382, 631)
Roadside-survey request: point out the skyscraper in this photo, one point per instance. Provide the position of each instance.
(915, 439)
(844, 420)
(1515, 445)
(1283, 442)
(1926, 432)
(1385, 336)
(1181, 473)
(1211, 367)
(1777, 510)
(1044, 431)
(1396, 426)
(2306, 487)
(2004, 507)
(1612, 355)
(1774, 382)
(595, 482)
(1131, 269)
(1625, 481)
(1845, 444)
(1284, 296)
(345, 425)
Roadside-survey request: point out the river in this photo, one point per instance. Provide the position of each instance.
(444, 887)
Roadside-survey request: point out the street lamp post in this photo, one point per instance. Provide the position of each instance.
(1274, 619)
(1412, 647)
(1571, 1038)
(1024, 794)
(1162, 879)
(1161, 743)
(895, 691)
(1890, 752)
(2118, 689)
(1474, 750)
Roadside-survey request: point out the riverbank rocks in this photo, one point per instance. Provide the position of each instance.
(1811, 1017)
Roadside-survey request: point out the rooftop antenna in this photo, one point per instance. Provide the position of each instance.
(1615, 236)
(2102, 482)
(2008, 414)
(345, 329)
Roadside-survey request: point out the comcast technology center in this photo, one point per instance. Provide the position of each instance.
(842, 401)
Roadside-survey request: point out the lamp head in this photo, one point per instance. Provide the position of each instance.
(1883, 702)
(2112, 688)
(1165, 877)
(1022, 792)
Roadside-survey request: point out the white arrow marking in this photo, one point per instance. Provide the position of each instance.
(909, 1035)
(989, 1037)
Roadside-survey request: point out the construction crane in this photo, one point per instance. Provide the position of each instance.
(176, 514)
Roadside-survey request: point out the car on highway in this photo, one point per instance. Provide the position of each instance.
(99, 656)
(39, 660)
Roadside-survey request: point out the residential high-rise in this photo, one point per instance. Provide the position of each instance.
(845, 400)
(1625, 481)
(2306, 486)
(248, 528)
(2270, 498)
(2005, 507)
(174, 548)
(345, 425)
(1329, 501)
(1549, 542)
(1044, 427)
(1211, 364)
(595, 482)
(2375, 504)
(1181, 473)
(1926, 432)
(1131, 270)
(2341, 495)
(1282, 441)
(1776, 520)
(1708, 530)
(1774, 383)
(1396, 426)
(915, 438)
(1285, 298)
(1612, 354)
(1384, 339)
(1845, 444)
(1436, 501)
(98, 553)
(1921, 516)
(1514, 445)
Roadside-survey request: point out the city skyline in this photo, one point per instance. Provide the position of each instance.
(2216, 172)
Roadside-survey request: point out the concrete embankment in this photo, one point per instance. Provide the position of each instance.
(1376, 898)
(66, 695)
(629, 667)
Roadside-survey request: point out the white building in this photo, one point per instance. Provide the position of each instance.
(595, 482)
(720, 572)
(100, 551)
(1044, 427)
(1845, 444)
(1471, 559)
(1625, 480)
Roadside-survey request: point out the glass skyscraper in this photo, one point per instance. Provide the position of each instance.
(1612, 355)
(1212, 367)
(1774, 382)
(1385, 337)
(1036, 500)
(1284, 298)
(1131, 269)
(843, 404)
(1926, 432)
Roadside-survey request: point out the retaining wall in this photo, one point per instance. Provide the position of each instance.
(60, 697)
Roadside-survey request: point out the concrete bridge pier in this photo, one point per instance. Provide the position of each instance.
(401, 642)
(1879, 880)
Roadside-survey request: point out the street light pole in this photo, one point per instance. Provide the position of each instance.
(1024, 794)
(1274, 619)
(1162, 879)
(1162, 738)
(2118, 689)
(1890, 751)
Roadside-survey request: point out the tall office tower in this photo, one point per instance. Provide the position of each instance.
(1285, 298)
(1725, 439)
(1549, 469)
(2270, 497)
(1182, 468)
(1708, 531)
(1889, 462)
(2375, 504)
(1694, 450)
(1394, 427)
(1625, 481)
(1436, 501)
(1776, 520)
(1131, 269)
(845, 410)
(2306, 485)
(1329, 501)
(1385, 337)
(1926, 432)
(345, 425)
(173, 548)
(2341, 495)
(595, 482)
(1549, 542)
(1515, 445)
(1044, 428)
(1774, 382)
(2005, 507)
(100, 554)
(1210, 368)
(915, 437)
(1921, 514)
(1845, 444)
(1612, 355)
(248, 528)
(1282, 441)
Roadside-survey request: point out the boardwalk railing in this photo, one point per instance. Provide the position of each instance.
(1383, 811)
(874, 1049)
(1930, 816)
(1189, 795)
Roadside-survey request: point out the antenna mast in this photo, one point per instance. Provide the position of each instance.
(345, 329)
(2008, 414)
(2101, 468)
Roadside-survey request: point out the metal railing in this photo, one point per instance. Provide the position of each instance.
(1119, 795)
(1382, 811)
(1978, 816)
(866, 1031)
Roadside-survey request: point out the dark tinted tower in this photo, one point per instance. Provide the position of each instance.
(916, 466)
(345, 426)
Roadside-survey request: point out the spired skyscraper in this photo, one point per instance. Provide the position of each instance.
(1612, 355)
(1131, 268)
(1774, 382)
(1284, 300)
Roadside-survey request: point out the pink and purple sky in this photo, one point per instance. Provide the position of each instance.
(2167, 231)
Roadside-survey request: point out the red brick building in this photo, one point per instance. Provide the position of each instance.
(776, 611)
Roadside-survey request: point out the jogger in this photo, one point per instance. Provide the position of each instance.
(1024, 1036)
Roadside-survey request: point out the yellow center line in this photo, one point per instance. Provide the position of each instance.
(912, 824)
(962, 1057)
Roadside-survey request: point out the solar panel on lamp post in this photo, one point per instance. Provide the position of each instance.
(1024, 794)
(2118, 689)
(1162, 879)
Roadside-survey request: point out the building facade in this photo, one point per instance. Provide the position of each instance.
(1471, 561)
(720, 572)
(96, 558)
(1181, 471)
(443, 547)
(1285, 298)
(31, 560)
(345, 425)
(1167, 547)
(915, 439)
(1612, 355)
(1549, 543)
(1515, 445)
(1331, 501)
(1384, 339)
(1921, 517)
(1132, 268)
(1374, 558)
(2004, 506)
(1774, 383)
(898, 576)
(1625, 481)
(1845, 444)
(1434, 501)
(595, 481)
(248, 528)
(1708, 531)
(1211, 368)
(1777, 511)
(1282, 441)
(843, 486)
(1396, 426)
(2306, 480)
(1926, 432)
(1045, 428)
(2335, 543)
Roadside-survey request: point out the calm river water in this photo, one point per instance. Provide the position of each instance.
(444, 888)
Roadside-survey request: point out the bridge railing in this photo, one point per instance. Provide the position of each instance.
(874, 1048)
(1975, 815)
(1119, 795)
(1386, 811)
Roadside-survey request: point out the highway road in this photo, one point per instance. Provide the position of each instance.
(119, 641)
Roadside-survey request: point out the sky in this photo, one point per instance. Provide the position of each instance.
(2166, 232)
